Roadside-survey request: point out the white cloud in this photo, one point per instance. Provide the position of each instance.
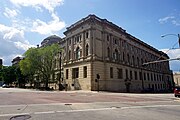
(12, 39)
(39, 26)
(10, 13)
(12, 43)
(166, 19)
(170, 19)
(174, 53)
(42, 27)
(177, 23)
(47, 4)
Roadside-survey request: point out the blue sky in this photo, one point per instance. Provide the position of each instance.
(25, 23)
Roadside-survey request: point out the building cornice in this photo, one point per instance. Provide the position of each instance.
(93, 18)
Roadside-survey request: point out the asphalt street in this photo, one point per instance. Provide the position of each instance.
(19, 104)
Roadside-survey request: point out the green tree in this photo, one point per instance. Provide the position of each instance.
(27, 69)
(1, 73)
(40, 61)
(8, 74)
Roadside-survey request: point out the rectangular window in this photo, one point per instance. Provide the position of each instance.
(111, 72)
(87, 34)
(148, 77)
(80, 37)
(85, 71)
(115, 41)
(154, 77)
(159, 77)
(127, 74)
(75, 73)
(107, 37)
(77, 38)
(140, 75)
(135, 75)
(131, 76)
(69, 41)
(149, 86)
(151, 76)
(67, 73)
(144, 76)
(120, 73)
(69, 55)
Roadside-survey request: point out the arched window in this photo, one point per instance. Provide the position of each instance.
(128, 58)
(116, 54)
(137, 61)
(133, 60)
(123, 56)
(108, 52)
(142, 61)
(87, 50)
(77, 53)
(69, 54)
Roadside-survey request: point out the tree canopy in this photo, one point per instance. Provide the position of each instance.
(40, 61)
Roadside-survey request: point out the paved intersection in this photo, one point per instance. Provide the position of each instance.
(55, 105)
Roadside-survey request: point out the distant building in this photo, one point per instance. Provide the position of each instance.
(55, 78)
(1, 66)
(16, 60)
(50, 40)
(177, 78)
(1, 62)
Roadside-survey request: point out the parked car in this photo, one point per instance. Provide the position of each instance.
(5, 86)
(177, 92)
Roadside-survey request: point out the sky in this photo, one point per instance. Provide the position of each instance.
(25, 23)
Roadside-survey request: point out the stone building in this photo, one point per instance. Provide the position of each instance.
(176, 77)
(50, 40)
(16, 60)
(95, 47)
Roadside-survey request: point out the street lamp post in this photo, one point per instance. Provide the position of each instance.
(177, 35)
(59, 70)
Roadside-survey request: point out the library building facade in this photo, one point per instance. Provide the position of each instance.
(101, 56)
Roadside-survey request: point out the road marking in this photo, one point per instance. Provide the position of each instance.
(51, 112)
(149, 106)
(21, 105)
(14, 114)
(48, 112)
(84, 110)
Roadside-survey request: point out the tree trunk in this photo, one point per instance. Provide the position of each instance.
(46, 84)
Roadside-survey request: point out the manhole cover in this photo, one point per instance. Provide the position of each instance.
(20, 117)
(67, 104)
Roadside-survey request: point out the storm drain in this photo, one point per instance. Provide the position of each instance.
(20, 117)
(115, 107)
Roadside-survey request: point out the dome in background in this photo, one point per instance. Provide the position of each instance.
(50, 40)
